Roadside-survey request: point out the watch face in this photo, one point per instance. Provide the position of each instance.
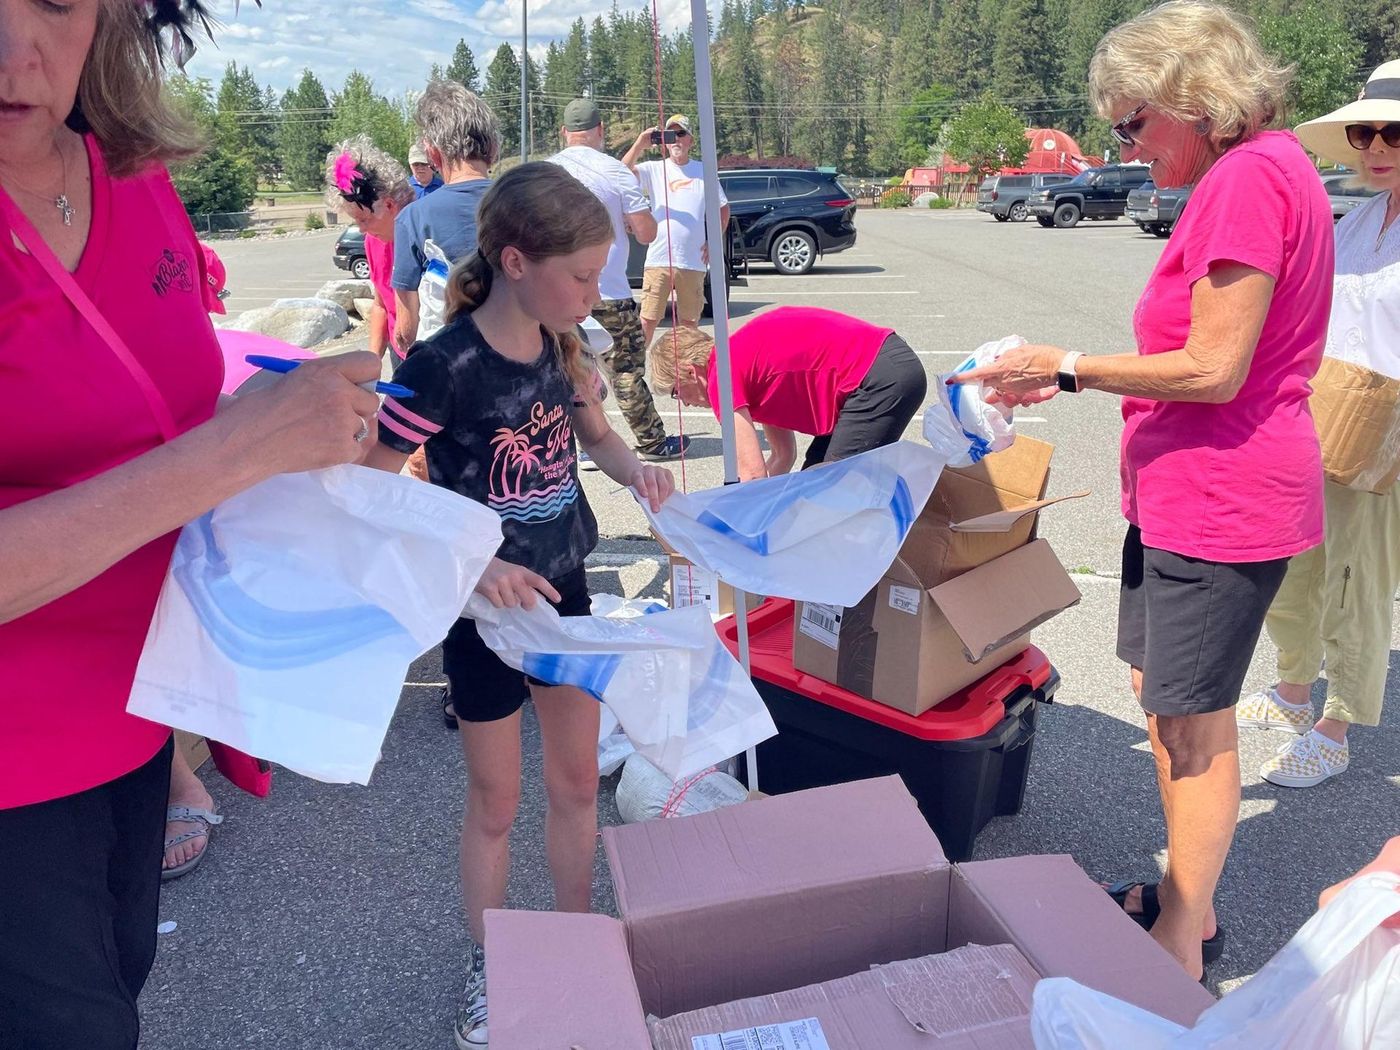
(1068, 383)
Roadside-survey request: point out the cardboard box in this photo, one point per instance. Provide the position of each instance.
(691, 585)
(779, 906)
(927, 629)
(1357, 415)
(194, 748)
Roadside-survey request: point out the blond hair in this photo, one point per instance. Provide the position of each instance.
(385, 174)
(675, 349)
(120, 96)
(542, 211)
(1194, 61)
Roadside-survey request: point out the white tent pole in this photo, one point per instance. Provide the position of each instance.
(719, 298)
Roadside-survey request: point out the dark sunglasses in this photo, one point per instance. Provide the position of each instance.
(1362, 135)
(680, 133)
(1124, 130)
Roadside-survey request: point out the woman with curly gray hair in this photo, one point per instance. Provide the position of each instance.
(112, 443)
(463, 140)
(371, 188)
(1222, 477)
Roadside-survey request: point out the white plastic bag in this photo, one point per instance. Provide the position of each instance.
(613, 746)
(432, 291)
(821, 535)
(292, 611)
(961, 425)
(679, 694)
(1334, 986)
(646, 793)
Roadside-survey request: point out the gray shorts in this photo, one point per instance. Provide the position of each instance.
(1191, 625)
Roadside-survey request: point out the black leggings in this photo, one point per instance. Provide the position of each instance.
(79, 889)
(876, 412)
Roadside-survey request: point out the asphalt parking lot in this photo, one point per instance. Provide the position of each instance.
(329, 916)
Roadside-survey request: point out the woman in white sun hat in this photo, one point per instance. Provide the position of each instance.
(1337, 600)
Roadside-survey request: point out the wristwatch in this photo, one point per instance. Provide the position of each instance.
(1066, 376)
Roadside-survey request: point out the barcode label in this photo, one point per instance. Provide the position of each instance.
(692, 585)
(821, 623)
(789, 1035)
(905, 599)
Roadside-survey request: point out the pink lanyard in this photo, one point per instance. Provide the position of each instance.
(42, 254)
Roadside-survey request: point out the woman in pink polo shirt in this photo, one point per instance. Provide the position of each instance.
(1222, 477)
(110, 375)
(850, 384)
(370, 188)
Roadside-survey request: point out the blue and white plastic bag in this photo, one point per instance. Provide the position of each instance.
(432, 291)
(292, 611)
(962, 426)
(678, 693)
(821, 535)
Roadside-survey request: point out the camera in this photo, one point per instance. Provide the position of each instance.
(658, 137)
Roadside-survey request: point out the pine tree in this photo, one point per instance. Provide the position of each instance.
(739, 81)
(1023, 64)
(1314, 36)
(360, 110)
(502, 93)
(304, 137)
(961, 48)
(462, 68)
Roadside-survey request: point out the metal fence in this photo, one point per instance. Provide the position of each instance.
(265, 220)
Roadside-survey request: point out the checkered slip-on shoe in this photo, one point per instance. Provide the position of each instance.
(1268, 711)
(1306, 762)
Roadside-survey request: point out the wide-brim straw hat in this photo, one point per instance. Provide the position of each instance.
(1378, 103)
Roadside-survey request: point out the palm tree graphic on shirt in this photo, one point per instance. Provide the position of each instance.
(513, 451)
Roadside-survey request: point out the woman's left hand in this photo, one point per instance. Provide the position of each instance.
(654, 484)
(1023, 376)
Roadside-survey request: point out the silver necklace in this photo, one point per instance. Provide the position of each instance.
(60, 202)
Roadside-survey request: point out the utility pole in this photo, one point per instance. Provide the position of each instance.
(524, 82)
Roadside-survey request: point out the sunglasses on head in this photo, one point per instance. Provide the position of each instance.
(1124, 130)
(1362, 135)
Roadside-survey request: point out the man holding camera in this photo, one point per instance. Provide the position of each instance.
(679, 254)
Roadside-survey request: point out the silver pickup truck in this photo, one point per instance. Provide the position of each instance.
(1156, 211)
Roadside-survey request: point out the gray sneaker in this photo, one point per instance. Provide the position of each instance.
(469, 1031)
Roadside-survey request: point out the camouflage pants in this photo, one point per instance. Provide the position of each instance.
(626, 364)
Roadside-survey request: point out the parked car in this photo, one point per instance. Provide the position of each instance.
(1003, 197)
(1099, 193)
(735, 264)
(350, 253)
(1344, 198)
(1156, 211)
(790, 216)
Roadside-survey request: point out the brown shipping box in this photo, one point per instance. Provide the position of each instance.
(927, 629)
(774, 912)
(691, 585)
(1357, 415)
(195, 749)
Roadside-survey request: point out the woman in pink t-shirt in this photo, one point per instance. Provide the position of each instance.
(111, 379)
(370, 188)
(1222, 478)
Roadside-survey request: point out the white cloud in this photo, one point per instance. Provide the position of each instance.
(394, 41)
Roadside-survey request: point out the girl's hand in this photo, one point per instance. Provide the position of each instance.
(1387, 860)
(1025, 372)
(654, 484)
(507, 586)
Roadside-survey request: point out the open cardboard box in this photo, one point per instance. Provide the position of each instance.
(1357, 415)
(774, 911)
(927, 629)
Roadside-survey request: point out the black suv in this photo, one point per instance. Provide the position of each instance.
(1099, 193)
(1156, 211)
(350, 253)
(789, 216)
(1003, 197)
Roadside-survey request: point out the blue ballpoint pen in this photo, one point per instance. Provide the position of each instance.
(283, 366)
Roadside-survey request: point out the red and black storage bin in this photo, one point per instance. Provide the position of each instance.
(965, 760)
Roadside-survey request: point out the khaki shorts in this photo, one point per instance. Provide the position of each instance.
(656, 293)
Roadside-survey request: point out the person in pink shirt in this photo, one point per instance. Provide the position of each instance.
(850, 384)
(111, 377)
(370, 188)
(1221, 472)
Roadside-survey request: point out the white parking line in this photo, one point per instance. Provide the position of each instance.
(909, 291)
(824, 277)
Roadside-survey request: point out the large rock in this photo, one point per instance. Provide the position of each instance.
(363, 308)
(345, 292)
(301, 322)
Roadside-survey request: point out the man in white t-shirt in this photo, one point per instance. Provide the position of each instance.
(676, 186)
(616, 186)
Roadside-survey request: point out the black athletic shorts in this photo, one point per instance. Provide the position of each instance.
(875, 413)
(484, 688)
(1191, 625)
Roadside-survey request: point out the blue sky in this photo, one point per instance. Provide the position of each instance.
(394, 41)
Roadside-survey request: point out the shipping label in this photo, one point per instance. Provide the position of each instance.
(692, 585)
(905, 599)
(790, 1035)
(821, 623)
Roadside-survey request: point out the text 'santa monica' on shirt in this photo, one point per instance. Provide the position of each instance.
(501, 433)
